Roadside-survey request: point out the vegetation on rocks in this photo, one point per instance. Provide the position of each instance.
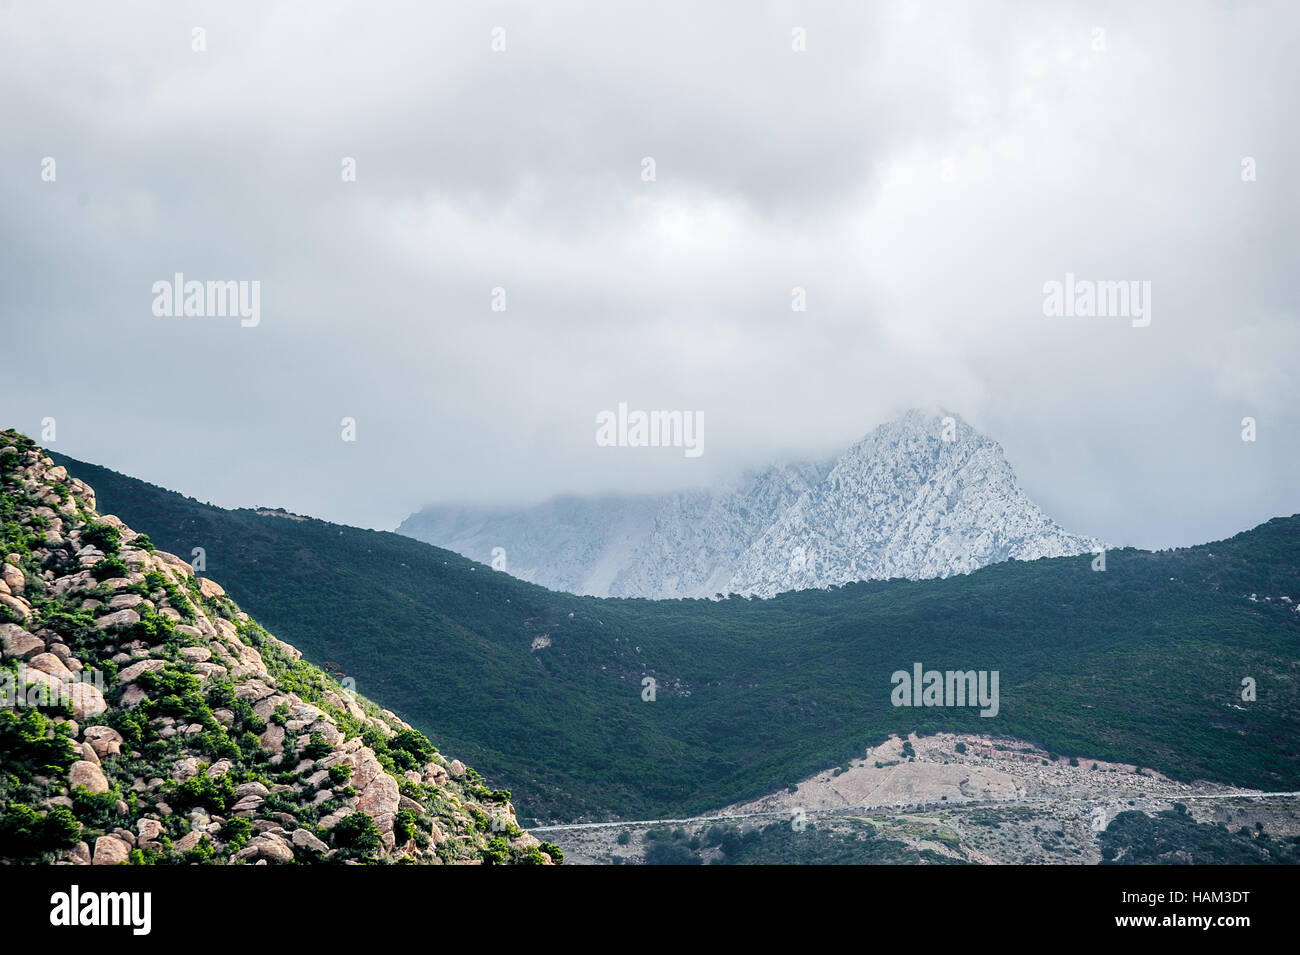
(148, 720)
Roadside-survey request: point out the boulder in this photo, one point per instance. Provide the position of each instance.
(133, 696)
(105, 740)
(51, 664)
(251, 659)
(88, 774)
(195, 654)
(365, 768)
(253, 690)
(86, 701)
(273, 738)
(265, 708)
(210, 588)
(149, 829)
(18, 642)
(269, 847)
(110, 850)
(305, 840)
(119, 618)
(380, 799)
(187, 842)
(18, 605)
(41, 678)
(132, 673)
(248, 804)
(13, 578)
(327, 730)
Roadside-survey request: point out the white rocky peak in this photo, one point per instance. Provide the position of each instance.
(923, 496)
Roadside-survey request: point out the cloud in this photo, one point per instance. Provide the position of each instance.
(920, 171)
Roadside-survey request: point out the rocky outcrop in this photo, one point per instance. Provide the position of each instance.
(186, 741)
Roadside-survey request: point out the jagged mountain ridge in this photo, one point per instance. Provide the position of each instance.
(919, 497)
(149, 720)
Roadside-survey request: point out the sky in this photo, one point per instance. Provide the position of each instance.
(503, 266)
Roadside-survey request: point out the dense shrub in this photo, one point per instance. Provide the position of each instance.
(357, 833)
(213, 793)
(496, 852)
(554, 851)
(404, 826)
(235, 832)
(24, 743)
(318, 748)
(105, 537)
(107, 568)
(27, 835)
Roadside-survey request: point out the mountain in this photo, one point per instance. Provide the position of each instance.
(148, 719)
(924, 496)
(544, 692)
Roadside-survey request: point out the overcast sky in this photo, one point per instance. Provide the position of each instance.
(921, 169)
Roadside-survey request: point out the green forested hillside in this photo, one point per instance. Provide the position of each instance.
(1141, 663)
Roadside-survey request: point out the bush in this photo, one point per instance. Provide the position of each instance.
(496, 852)
(960, 747)
(340, 773)
(103, 536)
(554, 851)
(25, 745)
(96, 810)
(532, 856)
(318, 748)
(27, 836)
(202, 853)
(357, 833)
(403, 826)
(235, 832)
(107, 568)
(670, 853)
(624, 837)
(213, 793)
(410, 750)
(175, 692)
